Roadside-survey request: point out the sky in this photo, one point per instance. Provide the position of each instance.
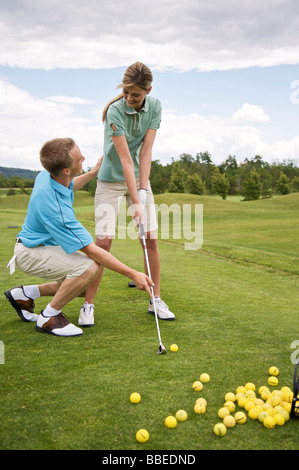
(226, 73)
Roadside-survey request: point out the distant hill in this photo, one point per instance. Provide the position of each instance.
(27, 174)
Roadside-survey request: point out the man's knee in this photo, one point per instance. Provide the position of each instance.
(93, 271)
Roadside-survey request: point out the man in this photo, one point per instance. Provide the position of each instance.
(54, 245)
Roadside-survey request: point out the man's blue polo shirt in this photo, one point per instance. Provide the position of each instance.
(51, 218)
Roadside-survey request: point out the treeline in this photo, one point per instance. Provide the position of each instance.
(16, 184)
(252, 179)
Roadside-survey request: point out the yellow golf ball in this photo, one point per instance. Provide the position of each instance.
(204, 378)
(142, 435)
(229, 421)
(262, 388)
(174, 348)
(249, 405)
(279, 419)
(170, 422)
(181, 415)
(288, 395)
(199, 408)
(269, 422)
(273, 371)
(265, 394)
(241, 389)
(240, 417)
(197, 386)
(262, 415)
(273, 381)
(220, 429)
(242, 402)
(229, 396)
(230, 406)
(222, 412)
(202, 400)
(250, 386)
(135, 397)
(253, 413)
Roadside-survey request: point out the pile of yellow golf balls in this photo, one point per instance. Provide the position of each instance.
(269, 407)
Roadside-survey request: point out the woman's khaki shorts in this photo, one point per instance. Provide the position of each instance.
(107, 202)
(51, 262)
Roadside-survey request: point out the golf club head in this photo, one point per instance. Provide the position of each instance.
(162, 350)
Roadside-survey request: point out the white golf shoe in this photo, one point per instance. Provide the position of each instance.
(163, 311)
(23, 305)
(57, 325)
(86, 317)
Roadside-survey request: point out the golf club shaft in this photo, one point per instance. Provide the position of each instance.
(149, 275)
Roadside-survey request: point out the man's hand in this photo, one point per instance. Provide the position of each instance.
(98, 165)
(143, 282)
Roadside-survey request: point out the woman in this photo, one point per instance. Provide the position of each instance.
(131, 122)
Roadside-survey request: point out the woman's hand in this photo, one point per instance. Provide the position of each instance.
(137, 213)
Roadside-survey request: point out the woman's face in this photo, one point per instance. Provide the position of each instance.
(135, 96)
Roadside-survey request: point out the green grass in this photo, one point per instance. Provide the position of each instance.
(236, 307)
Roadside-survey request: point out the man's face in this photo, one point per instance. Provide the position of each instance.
(78, 159)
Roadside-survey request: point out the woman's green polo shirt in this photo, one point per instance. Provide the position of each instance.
(134, 126)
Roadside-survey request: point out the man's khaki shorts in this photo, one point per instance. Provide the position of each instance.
(107, 203)
(51, 262)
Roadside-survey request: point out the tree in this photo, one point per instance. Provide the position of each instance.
(219, 183)
(230, 168)
(159, 177)
(295, 184)
(283, 184)
(252, 186)
(194, 184)
(178, 179)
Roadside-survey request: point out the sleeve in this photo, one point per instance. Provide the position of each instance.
(156, 117)
(59, 221)
(114, 116)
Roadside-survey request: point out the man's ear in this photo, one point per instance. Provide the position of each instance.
(66, 172)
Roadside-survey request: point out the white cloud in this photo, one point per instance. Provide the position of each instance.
(250, 113)
(193, 34)
(26, 123)
(221, 137)
(68, 100)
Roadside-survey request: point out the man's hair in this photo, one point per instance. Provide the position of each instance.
(55, 155)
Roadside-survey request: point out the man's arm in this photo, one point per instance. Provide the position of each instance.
(82, 180)
(103, 257)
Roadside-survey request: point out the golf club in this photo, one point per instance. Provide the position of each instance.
(161, 350)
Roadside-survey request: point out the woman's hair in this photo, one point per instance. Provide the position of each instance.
(137, 74)
(55, 155)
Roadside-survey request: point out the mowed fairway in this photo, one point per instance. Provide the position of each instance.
(236, 307)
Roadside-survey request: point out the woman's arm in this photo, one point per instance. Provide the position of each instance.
(145, 157)
(80, 181)
(121, 146)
